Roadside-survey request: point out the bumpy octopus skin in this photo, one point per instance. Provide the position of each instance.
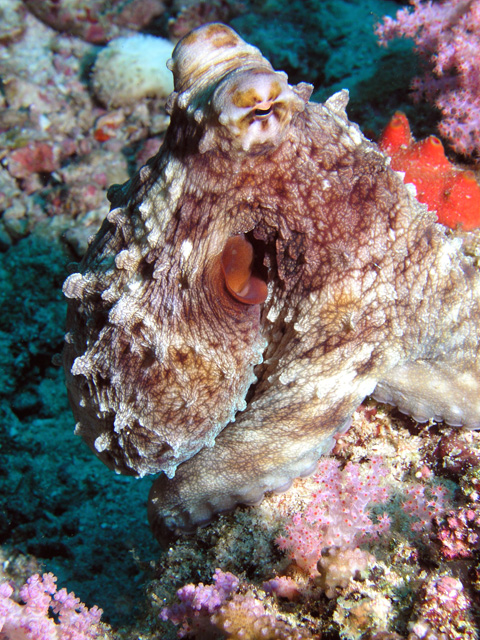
(255, 281)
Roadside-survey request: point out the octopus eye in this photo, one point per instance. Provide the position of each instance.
(260, 113)
(255, 107)
(237, 259)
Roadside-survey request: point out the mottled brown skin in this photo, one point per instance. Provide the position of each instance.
(367, 295)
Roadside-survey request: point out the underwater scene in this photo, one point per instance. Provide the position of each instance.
(240, 319)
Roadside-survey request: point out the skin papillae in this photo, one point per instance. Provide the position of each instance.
(177, 363)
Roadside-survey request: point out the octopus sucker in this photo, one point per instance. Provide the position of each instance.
(253, 283)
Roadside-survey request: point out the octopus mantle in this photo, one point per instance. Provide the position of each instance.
(255, 281)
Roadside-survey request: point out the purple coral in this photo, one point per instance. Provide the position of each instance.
(338, 514)
(199, 602)
(33, 620)
(447, 37)
(204, 608)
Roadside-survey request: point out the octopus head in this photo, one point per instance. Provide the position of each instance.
(222, 80)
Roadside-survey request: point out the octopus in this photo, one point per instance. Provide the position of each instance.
(252, 284)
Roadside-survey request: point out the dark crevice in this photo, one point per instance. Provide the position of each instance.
(263, 256)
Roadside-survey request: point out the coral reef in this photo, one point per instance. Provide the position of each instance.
(31, 620)
(241, 616)
(388, 595)
(12, 26)
(443, 611)
(458, 533)
(60, 149)
(96, 20)
(447, 37)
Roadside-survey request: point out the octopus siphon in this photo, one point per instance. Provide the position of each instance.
(252, 284)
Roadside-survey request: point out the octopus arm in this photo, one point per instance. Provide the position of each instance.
(279, 437)
(442, 391)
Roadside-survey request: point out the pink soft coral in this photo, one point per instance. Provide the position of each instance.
(33, 621)
(447, 36)
(338, 514)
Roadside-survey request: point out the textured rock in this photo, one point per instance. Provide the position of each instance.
(176, 364)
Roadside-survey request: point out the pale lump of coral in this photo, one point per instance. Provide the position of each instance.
(131, 68)
(338, 566)
(230, 376)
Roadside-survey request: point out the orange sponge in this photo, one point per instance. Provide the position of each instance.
(452, 193)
